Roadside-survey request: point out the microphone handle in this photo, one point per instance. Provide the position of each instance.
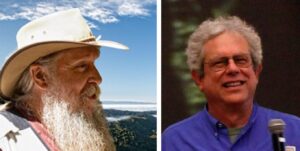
(278, 142)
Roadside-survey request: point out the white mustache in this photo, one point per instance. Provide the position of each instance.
(91, 90)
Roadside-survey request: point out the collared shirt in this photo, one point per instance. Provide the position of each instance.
(44, 135)
(202, 132)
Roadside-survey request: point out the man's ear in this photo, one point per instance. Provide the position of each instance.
(198, 79)
(38, 75)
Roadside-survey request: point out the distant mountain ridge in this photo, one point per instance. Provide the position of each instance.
(136, 133)
(126, 102)
(136, 106)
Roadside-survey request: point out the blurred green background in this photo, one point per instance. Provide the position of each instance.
(277, 22)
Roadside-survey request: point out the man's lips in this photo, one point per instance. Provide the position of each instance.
(233, 83)
(93, 97)
(92, 92)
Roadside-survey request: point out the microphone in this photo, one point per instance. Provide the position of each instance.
(276, 127)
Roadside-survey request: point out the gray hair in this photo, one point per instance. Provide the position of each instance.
(24, 85)
(214, 27)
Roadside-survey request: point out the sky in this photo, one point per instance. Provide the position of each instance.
(127, 75)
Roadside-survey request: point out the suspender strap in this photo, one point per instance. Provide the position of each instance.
(19, 122)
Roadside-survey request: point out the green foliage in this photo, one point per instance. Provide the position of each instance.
(134, 134)
(224, 9)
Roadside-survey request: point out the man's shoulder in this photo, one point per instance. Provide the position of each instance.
(272, 114)
(189, 123)
(292, 122)
(12, 121)
(186, 134)
(6, 116)
(14, 127)
(6, 124)
(292, 125)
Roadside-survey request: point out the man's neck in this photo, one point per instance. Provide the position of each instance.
(31, 110)
(232, 115)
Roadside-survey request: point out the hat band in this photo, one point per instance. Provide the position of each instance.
(92, 38)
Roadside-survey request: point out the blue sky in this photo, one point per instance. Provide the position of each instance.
(127, 75)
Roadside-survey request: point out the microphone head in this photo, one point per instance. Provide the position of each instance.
(276, 126)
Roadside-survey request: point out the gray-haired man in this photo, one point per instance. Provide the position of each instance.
(225, 58)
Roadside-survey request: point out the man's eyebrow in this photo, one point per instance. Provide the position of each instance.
(75, 62)
(80, 60)
(238, 54)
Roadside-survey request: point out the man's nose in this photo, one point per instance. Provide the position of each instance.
(95, 76)
(232, 68)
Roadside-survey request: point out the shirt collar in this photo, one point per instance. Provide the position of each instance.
(213, 122)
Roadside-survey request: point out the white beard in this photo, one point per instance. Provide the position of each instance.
(73, 131)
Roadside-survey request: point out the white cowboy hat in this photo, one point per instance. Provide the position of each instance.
(44, 36)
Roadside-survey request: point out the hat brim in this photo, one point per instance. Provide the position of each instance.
(22, 58)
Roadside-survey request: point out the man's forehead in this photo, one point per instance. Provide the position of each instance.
(81, 52)
(226, 42)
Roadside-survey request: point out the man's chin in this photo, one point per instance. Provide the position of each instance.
(235, 99)
(90, 107)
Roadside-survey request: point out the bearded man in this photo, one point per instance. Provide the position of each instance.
(50, 86)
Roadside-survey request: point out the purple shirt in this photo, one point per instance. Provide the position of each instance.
(202, 132)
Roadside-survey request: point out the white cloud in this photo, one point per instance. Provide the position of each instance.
(5, 17)
(101, 15)
(92, 25)
(104, 11)
(132, 9)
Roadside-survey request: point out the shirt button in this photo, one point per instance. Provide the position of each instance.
(216, 134)
(220, 125)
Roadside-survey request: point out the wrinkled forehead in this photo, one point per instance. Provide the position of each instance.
(226, 43)
(79, 53)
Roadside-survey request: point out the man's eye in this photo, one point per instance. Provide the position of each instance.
(82, 67)
(241, 60)
(219, 63)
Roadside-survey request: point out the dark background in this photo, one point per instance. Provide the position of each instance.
(276, 21)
